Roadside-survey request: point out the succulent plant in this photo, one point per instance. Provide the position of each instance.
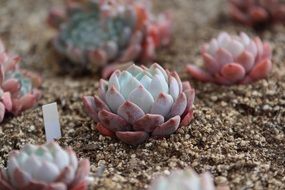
(17, 86)
(233, 60)
(44, 167)
(257, 12)
(93, 33)
(141, 102)
(186, 179)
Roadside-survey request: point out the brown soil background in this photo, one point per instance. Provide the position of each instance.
(237, 133)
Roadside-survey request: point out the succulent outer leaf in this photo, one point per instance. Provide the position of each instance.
(130, 112)
(259, 46)
(186, 86)
(112, 121)
(111, 49)
(267, 52)
(190, 95)
(103, 87)
(176, 76)
(132, 137)
(246, 59)
(142, 98)
(187, 117)
(100, 105)
(82, 172)
(1, 74)
(148, 123)
(7, 101)
(167, 128)
(173, 87)
(258, 14)
(233, 72)
(89, 105)
(21, 178)
(75, 54)
(252, 48)
(114, 99)
(4, 184)
(35, 185)
(2, 111)
(114, 80)
(223, 57)
(104, 131)
(198, 73)
(179, 105)
(97, 58)
(237, 15)
(206, 181)
(82, 185)
(27, 101)
(162, 105)
(67, 175)
(11, 85)
(131, 53)
(260, 70)
(210, 63)
(148, 50)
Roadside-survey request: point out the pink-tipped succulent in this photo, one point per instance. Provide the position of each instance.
(257, 12)
(141, 102)
(233, 60)
(186, 179)
(17, 86)
(93, 33)
(45, 167)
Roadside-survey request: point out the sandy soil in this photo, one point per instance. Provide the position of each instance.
(237, 133)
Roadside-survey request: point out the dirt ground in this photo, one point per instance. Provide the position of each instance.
(237, 133)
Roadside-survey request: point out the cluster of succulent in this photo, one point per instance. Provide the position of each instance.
(186, 179)
(45, 167)
(17, 86)
(141, 102)
(231, 59)
(93, 33)
(257, 12)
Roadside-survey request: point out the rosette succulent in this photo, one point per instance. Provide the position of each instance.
(233, 60)
(186, 179)
(17, 86)
(256, 12)
(93, 33)
(141, 102)
(45, 167)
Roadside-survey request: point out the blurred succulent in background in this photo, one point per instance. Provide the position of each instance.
(186, 179)
(93, 33)
(233, 60)
(140, 102)
(17, 91)
(45, 167)
(257, 12)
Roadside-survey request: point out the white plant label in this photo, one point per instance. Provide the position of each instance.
(51, 122)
